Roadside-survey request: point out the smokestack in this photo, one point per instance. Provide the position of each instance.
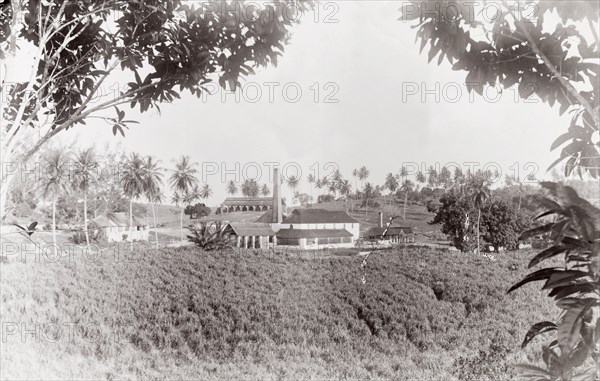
(276, 209)
(380, 219)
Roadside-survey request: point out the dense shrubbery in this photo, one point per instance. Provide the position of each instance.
(420, 315)
(325, 198)
(501, 222)
(198, 210)
(451, 214)
(369, 202)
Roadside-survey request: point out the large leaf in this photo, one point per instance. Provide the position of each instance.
(535, 276)
(567, 303)
(545, 254)
(563, 278)
(568, 329)
(536, 231)
(560, 292)
(537, 329)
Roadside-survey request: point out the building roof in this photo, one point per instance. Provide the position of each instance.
(318, 216)
(246, 229)
(120, 219)
(248, 201)
(393, 230)
(267, 217)
(312, 233)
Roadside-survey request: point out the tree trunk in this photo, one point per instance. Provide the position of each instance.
(405, 203)
(130, 224)
(54, 224)
(519, 206)
(478, 218)
(154, 220)
(85, 222)
(181, 224)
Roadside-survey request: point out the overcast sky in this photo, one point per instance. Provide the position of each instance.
(367, 62)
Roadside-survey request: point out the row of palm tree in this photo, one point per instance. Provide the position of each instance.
(141, 179)
(249, 188)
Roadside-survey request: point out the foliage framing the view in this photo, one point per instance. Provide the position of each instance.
(516, 50)
(575, 287)
(160, 48)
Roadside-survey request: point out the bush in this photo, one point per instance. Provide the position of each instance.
(325, 198)
(209, 236)
(197, 211)
(371, 203)
(94, 233)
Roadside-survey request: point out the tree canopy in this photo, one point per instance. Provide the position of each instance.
(154, 50)
(540, 47)
(163, 47)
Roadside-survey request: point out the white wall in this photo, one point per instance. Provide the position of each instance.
(352, 228)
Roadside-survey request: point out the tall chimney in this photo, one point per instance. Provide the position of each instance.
(276, 209)
(380, 219)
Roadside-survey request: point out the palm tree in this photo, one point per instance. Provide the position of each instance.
(205, 192)
(421, 178)
(250, 188)
(432, 177)
(183, 181)
(179, 201)
(56, 179)
(85, 166)
(363, 174)
(292, 182)
(265, 190)
(192, 196)
(391, 182)
(231, 188)
(345, 190)
(479, 194)
(311, 180)
(445, 177)
(407, 186)
(155, 198)
(337, 177)
(333, 188)
(367, 193)
(153, 190)
(355, 175)
(403, 173)
(318, 184)
(458, 175)
(134, 184)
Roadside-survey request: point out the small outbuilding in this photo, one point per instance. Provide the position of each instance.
(115, 227)
(394, 234)
(250, 235)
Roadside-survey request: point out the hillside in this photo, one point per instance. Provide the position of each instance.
(182, 313)
(417, 216)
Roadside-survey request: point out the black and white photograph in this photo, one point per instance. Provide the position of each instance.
(300, 190)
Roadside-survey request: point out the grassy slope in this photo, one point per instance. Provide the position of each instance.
(186, 314)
